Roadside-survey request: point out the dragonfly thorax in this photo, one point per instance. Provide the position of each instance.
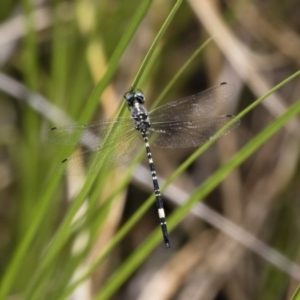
(140, 115)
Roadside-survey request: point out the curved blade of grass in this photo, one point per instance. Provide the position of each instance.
(37, 284)
(239, 116)
(149, 202)
(59, 239)
(117, 279)
(115, 58)
(42, 207)
(296, 295)
(61, 236)
(153, 48)
(146, 76)
(180, 72)
(155, 44)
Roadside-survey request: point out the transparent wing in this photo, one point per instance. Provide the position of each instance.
(183, 123)
(193, 106)
(113, 153)
(188, 134)
(89, 134)
(110, 144)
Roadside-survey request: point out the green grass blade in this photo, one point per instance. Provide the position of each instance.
(59, 239)
(113, 63)
(20, 253)
(296, 295)
(154, 45)
(180, 72)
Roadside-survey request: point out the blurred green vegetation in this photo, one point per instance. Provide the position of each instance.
(71, 61)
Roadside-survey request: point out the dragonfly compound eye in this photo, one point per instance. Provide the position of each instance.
(140, 97)
(131, 97)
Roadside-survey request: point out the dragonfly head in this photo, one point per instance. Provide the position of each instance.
(132, 97)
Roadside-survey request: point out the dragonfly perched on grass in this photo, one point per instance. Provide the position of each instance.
(180, 124)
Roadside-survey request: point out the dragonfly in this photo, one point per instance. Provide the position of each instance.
(183, 123)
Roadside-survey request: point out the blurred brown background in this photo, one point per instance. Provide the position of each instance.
(52, 55)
